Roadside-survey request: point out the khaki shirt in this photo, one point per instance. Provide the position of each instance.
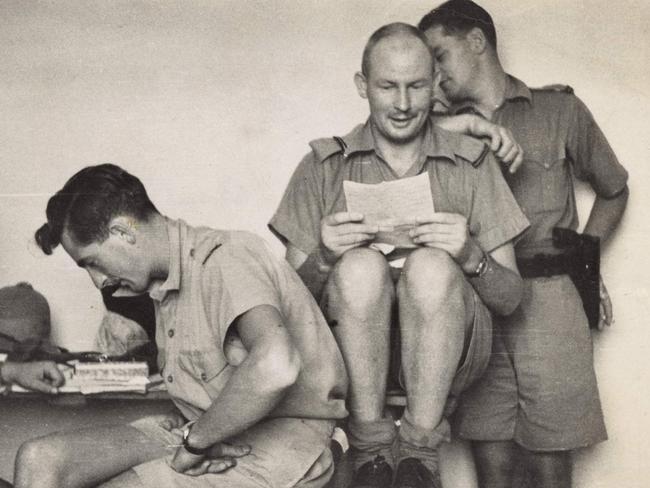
(464, 178)
(560, 138)
(214, 277)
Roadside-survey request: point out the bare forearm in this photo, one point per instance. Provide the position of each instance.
(500, 288)
(606, 214)
(244, 401)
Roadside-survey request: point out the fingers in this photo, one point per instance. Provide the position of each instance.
(601, 317)
(42, 386)
(442, 218)
(607, 313)
(516, 164)
(342, 218)
(221, 465)
(228, 451)
(52, 374)
(198, 469)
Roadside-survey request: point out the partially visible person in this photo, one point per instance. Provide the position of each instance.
(539, 398)
(458, 261)
(245, 353)
(24, 324)
(42, 376)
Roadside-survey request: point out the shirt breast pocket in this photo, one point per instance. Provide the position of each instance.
(208, 368)
(541, 184)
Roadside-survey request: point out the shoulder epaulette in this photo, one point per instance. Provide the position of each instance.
(326, 147)
(555, 88)
(472, 150)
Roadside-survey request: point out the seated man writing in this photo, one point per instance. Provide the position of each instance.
(461, 260)
(243, 348)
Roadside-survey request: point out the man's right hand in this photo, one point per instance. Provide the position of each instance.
(343, 231)
(43, 376)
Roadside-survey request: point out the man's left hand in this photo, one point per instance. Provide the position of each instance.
(449, 232)
(220, 458)
(606, 315)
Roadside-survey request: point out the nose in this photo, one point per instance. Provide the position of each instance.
(98, 278)
(403, 100)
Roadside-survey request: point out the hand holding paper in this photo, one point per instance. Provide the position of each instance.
(343, 231)
(391, 206)
(449, 232)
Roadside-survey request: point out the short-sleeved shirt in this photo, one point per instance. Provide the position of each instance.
(214, 277)
(560, 138)
(464, 178)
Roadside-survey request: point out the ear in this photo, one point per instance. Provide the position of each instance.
(362, 84)
(477, 41)
(124, 227)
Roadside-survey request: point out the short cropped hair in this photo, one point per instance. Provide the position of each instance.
(389, 30)
(459, 17)
(87, 203)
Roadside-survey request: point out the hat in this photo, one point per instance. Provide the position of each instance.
(24, 313)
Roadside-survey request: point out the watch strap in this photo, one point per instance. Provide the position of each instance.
(197, 451)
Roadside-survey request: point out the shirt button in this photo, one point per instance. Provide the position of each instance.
(204, 376)
(170, 332)
(191, 253)
(170, 379)
(547, 166)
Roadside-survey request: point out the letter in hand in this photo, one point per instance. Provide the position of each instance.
(43, 376)
(219, 458)
(343, 231)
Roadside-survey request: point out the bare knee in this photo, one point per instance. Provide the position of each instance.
(430, 276)
(360, 279)
(40, 462)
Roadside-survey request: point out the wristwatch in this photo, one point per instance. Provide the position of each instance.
(197, 451)
(482, 267)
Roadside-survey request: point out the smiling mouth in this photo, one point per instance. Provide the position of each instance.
(401, 121)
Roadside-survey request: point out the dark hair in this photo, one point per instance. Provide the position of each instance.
(459, 17)
(388, 30)
(87, 203)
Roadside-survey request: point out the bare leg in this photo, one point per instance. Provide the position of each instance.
(128, 479)
(495, 463)
(548, 469)
(82, 458)
(360, 295)
(436, 307)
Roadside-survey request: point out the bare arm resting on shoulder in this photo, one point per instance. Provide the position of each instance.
(502, 142)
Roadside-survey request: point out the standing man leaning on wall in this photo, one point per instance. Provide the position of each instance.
(539, 396)
(463, 260)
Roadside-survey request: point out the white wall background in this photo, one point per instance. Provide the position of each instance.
(212, 104)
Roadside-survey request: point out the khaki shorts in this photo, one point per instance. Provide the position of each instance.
(540, 387)
(283, 450)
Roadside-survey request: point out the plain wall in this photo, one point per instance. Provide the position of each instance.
(212, 104)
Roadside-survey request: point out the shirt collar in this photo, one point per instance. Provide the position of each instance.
(515, 88)
(434, 145)
(173, 281)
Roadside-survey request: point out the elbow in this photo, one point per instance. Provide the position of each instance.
(512, 301)
(278, 365)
